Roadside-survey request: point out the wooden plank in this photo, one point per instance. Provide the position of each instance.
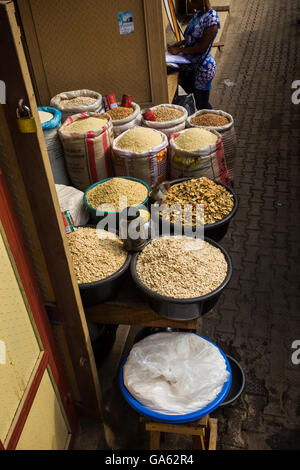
(172, 85)
(154, 440)
(156, 50)
(198, 442)
(38, 71)
(221, 5)
(139, 314)
(36, 171)
(213, 425)
(191, 429)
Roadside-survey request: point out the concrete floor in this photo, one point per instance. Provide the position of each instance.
(257, 319)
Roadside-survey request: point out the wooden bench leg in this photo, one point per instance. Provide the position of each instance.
(154, 440)
(198, 442)
(213, 432)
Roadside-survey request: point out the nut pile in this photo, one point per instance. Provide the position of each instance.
(96, 254)
(181, 267)
(78, 101)
(120, 113)
(210, 120)
(217, 201)
(166, 113)
(116, 194)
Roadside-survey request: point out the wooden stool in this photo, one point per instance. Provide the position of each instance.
(204, 432)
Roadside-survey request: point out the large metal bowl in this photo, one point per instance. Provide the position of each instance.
(182, 309)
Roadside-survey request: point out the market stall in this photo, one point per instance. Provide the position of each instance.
(108, 177)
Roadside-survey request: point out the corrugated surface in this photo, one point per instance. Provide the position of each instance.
(45, 427)
(81, 47)
(22, 349)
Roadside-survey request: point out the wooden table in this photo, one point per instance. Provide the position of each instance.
(130, 308)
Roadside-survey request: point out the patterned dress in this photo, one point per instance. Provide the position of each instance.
(204, 72)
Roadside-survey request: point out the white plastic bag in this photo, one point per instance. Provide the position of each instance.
(175, 373)
(71, 199)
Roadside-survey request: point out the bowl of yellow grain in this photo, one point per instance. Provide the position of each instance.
(107, 198)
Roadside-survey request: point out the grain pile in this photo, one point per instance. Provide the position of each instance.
(210, 120)
(195, 139)
(139, 139)
(116, 194)
(84, 125)
(181, 267)
(217, 201)
(78, 101)
(166, 113)
(96, 254)
(120, 113)
(45, 116)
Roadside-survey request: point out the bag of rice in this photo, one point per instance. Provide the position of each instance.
(78, 101)
(198, 152)
(125, 118)
(223, 123)
(142, 153)
(87, 140)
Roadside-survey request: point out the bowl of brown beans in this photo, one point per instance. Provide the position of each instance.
(219, 203)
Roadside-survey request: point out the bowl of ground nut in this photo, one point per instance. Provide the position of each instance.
(192, 202)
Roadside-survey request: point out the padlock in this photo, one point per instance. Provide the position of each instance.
(25, 120)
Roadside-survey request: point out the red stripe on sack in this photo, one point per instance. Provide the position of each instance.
(223, 172)
(91, 155)
(84, 115)
(212, 165)
(107, 154)
(69, 119)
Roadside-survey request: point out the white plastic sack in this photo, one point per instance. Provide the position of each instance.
(175, 373)
(71, 199)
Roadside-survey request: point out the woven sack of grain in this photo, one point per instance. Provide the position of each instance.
(149, 166)
(87, 155)
(69, 109)
(134, 119)
(51, 120)
(159, 125)
(228, 136)
(208, 161)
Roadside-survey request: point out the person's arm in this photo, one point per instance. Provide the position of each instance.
(201, 47)
(175, 46)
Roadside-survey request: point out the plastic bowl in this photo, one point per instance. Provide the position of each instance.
(177, 419)
(237, 382)
(182, 309)
(215, 231)
(93, 212)
(93, 293)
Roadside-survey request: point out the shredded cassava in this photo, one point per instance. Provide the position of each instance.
(181, 267)
(95, 258)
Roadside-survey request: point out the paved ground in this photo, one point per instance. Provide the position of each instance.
(257, 319)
